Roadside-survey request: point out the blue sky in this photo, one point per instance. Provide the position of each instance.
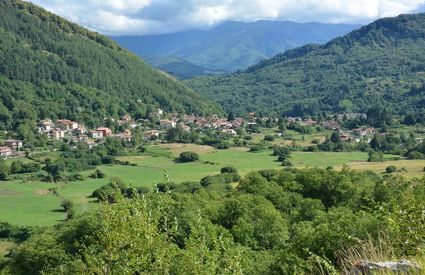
(121, 17)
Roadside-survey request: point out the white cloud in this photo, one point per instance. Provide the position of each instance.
(162, 16)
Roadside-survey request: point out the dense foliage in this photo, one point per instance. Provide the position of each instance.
(381, 64)
(274, 222)
(50, 67)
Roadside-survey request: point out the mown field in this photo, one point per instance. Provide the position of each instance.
(31, 203)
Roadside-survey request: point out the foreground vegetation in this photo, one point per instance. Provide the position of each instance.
(289, 221)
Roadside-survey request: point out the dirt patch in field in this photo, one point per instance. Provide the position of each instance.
(8, 193)
(41, 192)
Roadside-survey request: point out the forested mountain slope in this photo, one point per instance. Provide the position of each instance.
(233, 45)
(380, 64)
(50, 67)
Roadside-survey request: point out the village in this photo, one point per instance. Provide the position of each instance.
(75, 132)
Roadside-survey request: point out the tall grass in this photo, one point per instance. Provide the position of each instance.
(372, 250)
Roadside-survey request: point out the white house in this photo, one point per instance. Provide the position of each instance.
(96, 134)
(167, 124)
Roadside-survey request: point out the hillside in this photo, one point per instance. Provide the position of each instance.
(233, 45)
(50, 67)
(380, 64)
(178, 67)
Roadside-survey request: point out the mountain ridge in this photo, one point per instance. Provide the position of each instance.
(233, 45)
(379, 63)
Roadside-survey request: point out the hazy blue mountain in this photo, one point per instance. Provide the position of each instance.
(233, 45)
(179, 67)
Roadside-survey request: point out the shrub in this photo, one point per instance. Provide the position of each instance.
(390, 169)
(210, 180)
(257, 148)
(315, 141)
(286, 162)
(375, 156)
(228, 169)
(97, 174)
(414, 155)
(222, 145)
(269, 138)
(188, 157)
(67, 205)
(281, 151)
(75, 177)
(231, 177)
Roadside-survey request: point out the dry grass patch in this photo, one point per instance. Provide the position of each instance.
(177, 148)
(413, 168)
(41, 192)
(8, 193)
(5, 246)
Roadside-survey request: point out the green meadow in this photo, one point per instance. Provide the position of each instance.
(31, 203)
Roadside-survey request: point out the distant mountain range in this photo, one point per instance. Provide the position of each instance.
(232, 45)
(379, 65)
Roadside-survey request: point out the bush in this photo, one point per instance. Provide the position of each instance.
(222, 145)
(109, 192)
(231, 177)
(315, 141)
(188, 157)
(286, 163)
(31, 167)
(375, 156)
(67, 205)
(257, 148)
(269, 138)
(281, 151)
(229, 169)
(390, 169)
(415, 155)
(210, 180)
(98, 175)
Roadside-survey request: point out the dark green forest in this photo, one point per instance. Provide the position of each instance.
(274, 222)
(50, 67)
(380, 64)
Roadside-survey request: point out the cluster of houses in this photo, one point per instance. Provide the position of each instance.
(189, 122)
(75, 132)
(333, 124)
(79, 133)
(11, 148)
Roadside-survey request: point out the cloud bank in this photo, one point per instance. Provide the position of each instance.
(120, 17)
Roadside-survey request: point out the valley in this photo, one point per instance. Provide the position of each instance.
(188, 139)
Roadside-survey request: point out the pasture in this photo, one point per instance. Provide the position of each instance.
(31, 203)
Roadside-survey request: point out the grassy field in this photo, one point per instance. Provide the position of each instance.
(31, 203)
